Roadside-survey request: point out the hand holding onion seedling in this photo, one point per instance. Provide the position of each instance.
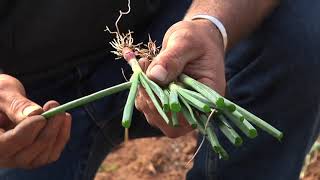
(180, 53)
(182, 88)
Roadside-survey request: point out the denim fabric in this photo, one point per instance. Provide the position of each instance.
(275, 74)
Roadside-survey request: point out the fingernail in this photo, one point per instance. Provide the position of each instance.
(30, 109)
(158, 72)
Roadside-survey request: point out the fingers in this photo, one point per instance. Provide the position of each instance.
(33, 141)
(17, 107)
(13, 101)
(43, 148)
(169, 63)
(178, 51)
(21, 136)
(62, 139)
(144, 64)
(46, 146)
(143, 102)
(145, 105)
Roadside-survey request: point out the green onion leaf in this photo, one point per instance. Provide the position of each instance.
(188, 117)
(164, 99)
(188, 113)
(128, 108)
(204, 90)
(244, 126)
(86, 99)
(262, 124)
(197, 96)
(154, 99)
(258, 122)
(167, 93)
(173, 100)
(229, 132)
(235, 114)
(193, 101)
(213, 139)
(231, 107)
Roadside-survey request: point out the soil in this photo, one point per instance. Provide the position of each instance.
(162, 158)
(313, 170)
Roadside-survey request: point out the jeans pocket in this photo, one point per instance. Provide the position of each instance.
(243, 54)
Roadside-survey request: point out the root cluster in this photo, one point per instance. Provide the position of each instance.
(122, 40)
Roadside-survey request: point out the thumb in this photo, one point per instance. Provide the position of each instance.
(18, 107)
(171, 61)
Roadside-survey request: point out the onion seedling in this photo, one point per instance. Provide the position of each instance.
(86, 99)
(244, 126)
(203, 89)
(173, 99)
(128, 108)
(188, 113)
(228, 131)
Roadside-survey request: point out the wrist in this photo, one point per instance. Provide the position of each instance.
(216, 23)
(211, 32)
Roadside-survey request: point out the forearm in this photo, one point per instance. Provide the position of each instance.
(240, 17)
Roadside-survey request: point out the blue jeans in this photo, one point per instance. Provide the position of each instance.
(273, 73)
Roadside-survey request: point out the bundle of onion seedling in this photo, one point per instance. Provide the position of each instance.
(203, 108)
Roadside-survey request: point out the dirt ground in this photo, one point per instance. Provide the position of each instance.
(162, 159)
(313, 170)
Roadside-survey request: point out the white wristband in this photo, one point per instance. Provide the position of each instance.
(217, 23)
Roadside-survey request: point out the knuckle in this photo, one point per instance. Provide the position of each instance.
(138, 108)
(172, 60)
(184, 36)
(53, 102)
(18, 103)
(180, 25)
(141, 105)
(50, 104)
(9, 82)
(137, 105)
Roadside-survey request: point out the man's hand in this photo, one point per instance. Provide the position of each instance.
(196, 48)
(191, 47)
(27, 140)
